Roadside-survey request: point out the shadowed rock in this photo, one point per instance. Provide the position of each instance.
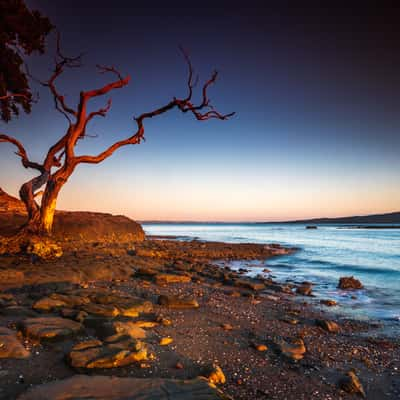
(351, 384)
(49, 328)
(177, 302)
(162, 279)
(293, 349)
(114, 388)
(329, 326)
(304, 290)
(349, 282)
(116, 351)
(10, 346)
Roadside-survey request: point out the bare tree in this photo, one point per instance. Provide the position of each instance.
(61, 160)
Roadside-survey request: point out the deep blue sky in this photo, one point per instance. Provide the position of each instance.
(316, 91)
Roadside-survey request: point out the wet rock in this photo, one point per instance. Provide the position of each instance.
(116, 351)
(10, 346)
(115, 388)
(351, 384)
(329, 326)
(248, 284)
(304, 290)
(293, 349)
(43, 328)
(328, 302)
(177, 302)
(162, 279)
(349, 282)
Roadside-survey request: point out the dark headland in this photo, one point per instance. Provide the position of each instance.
(386, 218)
(120, 316)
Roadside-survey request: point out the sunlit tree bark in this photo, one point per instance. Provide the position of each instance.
(61, 160)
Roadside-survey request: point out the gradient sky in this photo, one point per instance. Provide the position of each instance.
(316, 92)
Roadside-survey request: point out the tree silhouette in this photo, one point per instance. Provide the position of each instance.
(22, 32)
(61, 160)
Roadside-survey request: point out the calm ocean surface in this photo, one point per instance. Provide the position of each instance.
(325, 254)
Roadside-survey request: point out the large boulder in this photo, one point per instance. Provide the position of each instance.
(114, 388)
(96, 226)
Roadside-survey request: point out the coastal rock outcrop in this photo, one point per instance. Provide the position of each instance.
(74, 225)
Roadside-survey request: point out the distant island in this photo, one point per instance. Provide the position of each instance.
(388, 218)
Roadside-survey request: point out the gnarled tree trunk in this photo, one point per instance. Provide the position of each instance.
(61, 160)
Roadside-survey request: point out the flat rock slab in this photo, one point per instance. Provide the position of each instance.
(11, 276)
(57, 300)
(164, 279)
(114, 388)
(116, 351)
(177, 302)
(249, 284)
(10, 346)
(49, 328)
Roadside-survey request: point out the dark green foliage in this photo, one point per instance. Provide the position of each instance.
(22, 32)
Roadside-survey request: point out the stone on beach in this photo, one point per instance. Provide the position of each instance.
(10, 346)
(328, 302)
(177, 302)
(349, 282)
(249, 284)
(162, 279)
(165, 341)
(216, 377)
(115, 352)
(115, 388)
(327, 325)
(293, 349)
(304, 290)
(351, 384)
(48, 328)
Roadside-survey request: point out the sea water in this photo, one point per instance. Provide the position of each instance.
(323, 255)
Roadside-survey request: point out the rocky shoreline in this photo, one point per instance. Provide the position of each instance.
(162, 318)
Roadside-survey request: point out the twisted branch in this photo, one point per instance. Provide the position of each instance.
(21, 153)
